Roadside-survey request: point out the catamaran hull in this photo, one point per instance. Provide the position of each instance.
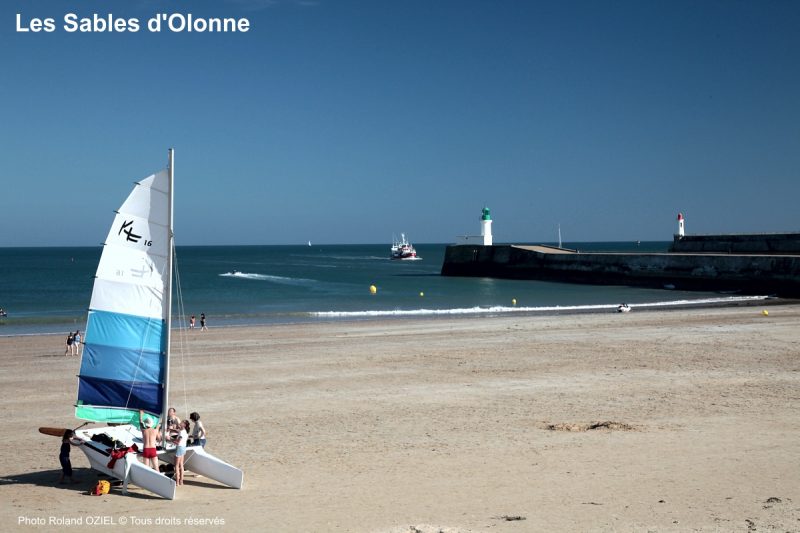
(201, 462)
(129, 469)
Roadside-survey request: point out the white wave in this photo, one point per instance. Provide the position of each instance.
(266, 277)
(504, 309)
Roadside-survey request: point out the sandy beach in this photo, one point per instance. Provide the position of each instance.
(682, 420)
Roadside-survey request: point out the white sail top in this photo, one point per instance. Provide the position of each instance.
(132, 272)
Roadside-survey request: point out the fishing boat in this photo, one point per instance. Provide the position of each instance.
(126, 357)
(402, 249)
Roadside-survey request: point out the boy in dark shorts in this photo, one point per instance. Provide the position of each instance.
(63, 456)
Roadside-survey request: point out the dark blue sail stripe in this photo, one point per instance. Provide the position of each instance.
(121, 364)
(125, 331)
(104, 392)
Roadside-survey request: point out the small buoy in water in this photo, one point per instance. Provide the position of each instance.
(765, 312)
(513, 301)
(373, 289)
(422, 294)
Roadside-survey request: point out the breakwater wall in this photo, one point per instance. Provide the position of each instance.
(742, 243)
(749, 274)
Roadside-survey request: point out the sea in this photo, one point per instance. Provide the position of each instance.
(47, 290)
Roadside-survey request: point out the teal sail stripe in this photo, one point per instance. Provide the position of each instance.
(121, 364)
(125, 331)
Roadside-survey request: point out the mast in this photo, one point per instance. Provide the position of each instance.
(168, 290)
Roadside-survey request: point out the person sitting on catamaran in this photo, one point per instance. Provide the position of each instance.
(173, 424)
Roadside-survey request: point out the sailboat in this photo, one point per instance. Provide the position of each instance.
(126, 357)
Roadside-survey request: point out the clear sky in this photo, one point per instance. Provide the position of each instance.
(346, 121)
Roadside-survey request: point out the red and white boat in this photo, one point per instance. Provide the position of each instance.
(402, 249)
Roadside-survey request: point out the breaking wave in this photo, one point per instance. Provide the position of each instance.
(505, 309)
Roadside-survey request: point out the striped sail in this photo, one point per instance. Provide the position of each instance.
(124, 358)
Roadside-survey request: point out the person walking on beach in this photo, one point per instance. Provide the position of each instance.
(191, 322)
(76, 342)
(69, 341)
(203, 322)
(63, 456)
(149, 437)
(199, 431)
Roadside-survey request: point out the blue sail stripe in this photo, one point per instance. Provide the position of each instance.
(121, 364)
(104, 392)
(125, 331)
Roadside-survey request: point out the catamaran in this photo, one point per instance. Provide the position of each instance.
(126, 357)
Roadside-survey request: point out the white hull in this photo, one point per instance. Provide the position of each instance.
(402, 249)
(129, 469)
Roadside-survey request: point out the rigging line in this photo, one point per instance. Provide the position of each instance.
(144, 343)
(182, 331)
(138, 362)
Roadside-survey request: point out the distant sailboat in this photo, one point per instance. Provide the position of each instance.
(126, 357)
(309, 243)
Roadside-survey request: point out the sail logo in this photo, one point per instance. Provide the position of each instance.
(127, 229)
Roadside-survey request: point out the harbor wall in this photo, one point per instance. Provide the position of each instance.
(749, 274)
(743, 243)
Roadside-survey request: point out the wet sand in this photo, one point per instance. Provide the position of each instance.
(682, 420)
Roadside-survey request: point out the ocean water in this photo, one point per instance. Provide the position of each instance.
(47, 290)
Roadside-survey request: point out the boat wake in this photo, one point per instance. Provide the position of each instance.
(505, 309)
(266, 277)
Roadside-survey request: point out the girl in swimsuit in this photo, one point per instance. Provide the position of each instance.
(180, 451)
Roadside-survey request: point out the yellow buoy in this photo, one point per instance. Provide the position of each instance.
(513, 301)
(373, 289)
(422, 294)
(765, 312)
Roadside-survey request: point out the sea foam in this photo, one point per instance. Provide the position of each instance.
(506, 309)
(267, 277)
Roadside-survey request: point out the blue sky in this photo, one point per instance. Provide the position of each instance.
(347, 121)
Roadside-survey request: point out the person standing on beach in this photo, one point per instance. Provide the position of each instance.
(199, 431)
(203, 322)
(69, 341)
(149, 437)
(191, 322)
(180, 451)
(63, 456)
(76, 342)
